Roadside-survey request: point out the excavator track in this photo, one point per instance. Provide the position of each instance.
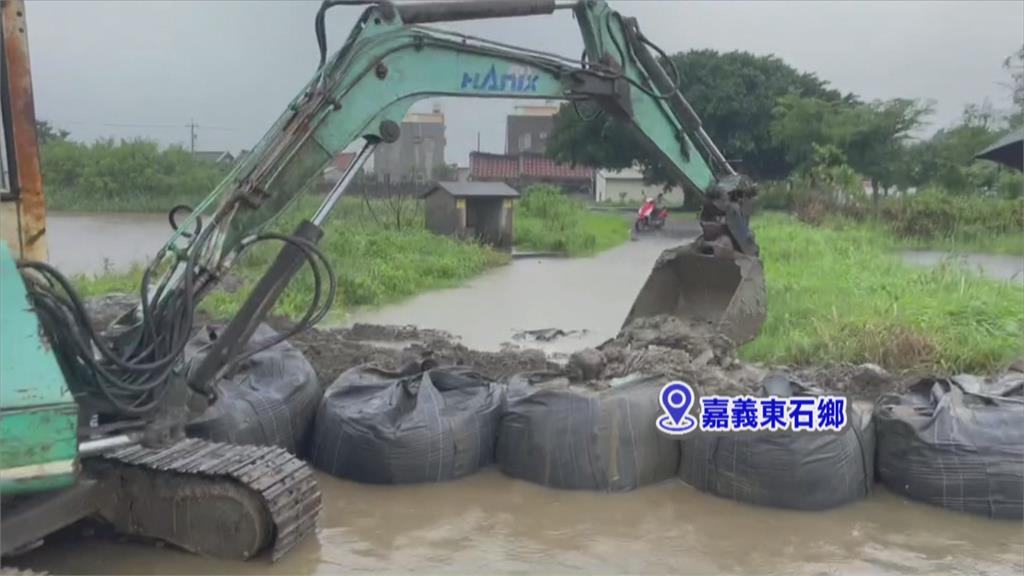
(272, 497)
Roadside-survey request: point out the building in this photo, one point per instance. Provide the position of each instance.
(481, 210)
(418, 150)
(527, 130)
(337, 168)
(522, 170)
(628, 187)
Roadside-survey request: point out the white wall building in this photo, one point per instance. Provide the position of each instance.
(627, 186)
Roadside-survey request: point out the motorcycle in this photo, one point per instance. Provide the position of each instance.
(649, 216)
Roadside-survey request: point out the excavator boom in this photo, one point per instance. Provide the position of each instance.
(389, 61)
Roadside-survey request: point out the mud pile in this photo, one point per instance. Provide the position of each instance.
(333, 351)
(677, 349)
(668, 347)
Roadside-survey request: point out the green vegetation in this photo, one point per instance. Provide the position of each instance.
(840, 295)
(933, 218)
(546, 219)
(929, 219)
(734, 93)
(125, 176)
(782, 123)
(375, 262)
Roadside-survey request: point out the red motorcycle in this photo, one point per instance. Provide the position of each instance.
(649, 216)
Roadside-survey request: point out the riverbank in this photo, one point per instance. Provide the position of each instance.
(842, 295)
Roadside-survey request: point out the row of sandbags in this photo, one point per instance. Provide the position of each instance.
(560, 436)
(946, 442)
(957, 443)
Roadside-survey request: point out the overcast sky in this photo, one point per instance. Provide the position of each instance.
(128, 69)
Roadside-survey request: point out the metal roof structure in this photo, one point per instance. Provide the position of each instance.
(1008, 151)
(475, 189)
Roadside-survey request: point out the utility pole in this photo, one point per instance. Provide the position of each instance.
(477, 141)
(192, 136)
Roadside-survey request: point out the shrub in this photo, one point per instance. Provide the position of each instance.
(549, 220)
(934, 214)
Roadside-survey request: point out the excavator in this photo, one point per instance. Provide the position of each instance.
(92, 420)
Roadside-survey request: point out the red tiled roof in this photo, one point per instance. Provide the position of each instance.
(484, 166)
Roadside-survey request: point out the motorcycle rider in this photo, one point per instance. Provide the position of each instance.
(648, 202)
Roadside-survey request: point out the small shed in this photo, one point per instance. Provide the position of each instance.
(482, 210)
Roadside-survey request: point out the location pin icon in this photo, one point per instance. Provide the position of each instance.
(676, 400)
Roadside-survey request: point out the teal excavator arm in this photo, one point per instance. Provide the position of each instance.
(391, 60)
(388, 62)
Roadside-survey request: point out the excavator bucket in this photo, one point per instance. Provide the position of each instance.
(723, 289)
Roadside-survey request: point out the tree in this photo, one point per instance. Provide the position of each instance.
(1014, 64)
(734, 93)
(445, 172)
(127, 172)
(46, 133)
(870, 136)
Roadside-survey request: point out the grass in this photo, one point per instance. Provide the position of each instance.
(1000, 243)
(994, 242)
(841, 295)
(375, 263)
(547, 220)
(378, 262)
(66, 200)
(932, 219)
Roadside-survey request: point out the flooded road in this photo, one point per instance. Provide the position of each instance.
(487, 523)
(493, 524)
(587, 294)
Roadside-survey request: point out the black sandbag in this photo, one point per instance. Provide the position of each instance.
(957, 444)
(805, 470)
(269, 400)
(384, 427)
(578, 438)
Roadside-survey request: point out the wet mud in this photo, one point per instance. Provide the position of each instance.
(332, 351)
(657, 346)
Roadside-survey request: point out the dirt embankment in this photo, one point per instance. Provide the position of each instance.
(332, 351)
(652, 346)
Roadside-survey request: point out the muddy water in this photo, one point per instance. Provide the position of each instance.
(997, 266)
(95, 242)
(580, 294)
(488, 523)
